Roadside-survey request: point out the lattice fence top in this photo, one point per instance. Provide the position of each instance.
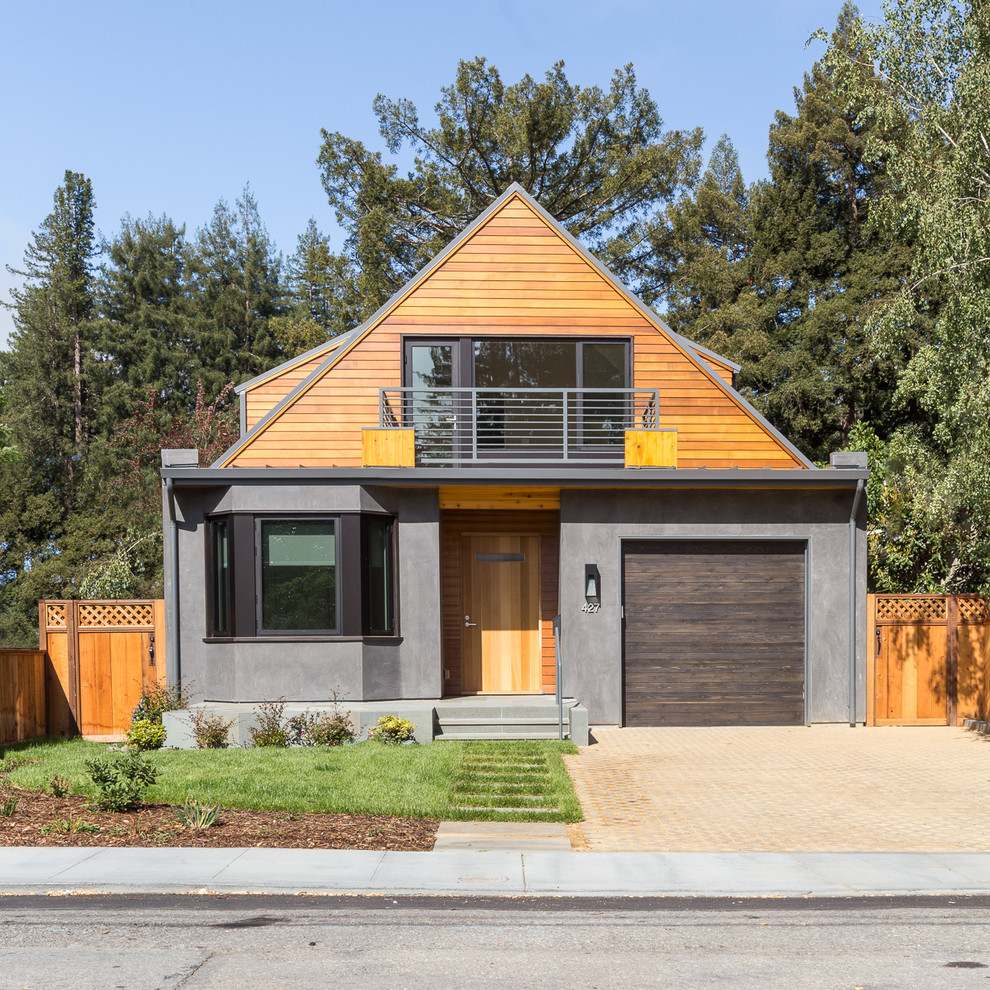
(915, 608)
(116, 614)
(974, 609)
(55, 615)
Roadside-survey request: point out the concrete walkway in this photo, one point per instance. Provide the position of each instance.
(469, 873)
(785, 789)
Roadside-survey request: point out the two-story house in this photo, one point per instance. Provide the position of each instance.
(511, 438)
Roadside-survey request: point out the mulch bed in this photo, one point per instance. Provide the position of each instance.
(38, 818)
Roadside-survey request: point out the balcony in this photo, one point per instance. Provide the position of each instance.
(438, 427)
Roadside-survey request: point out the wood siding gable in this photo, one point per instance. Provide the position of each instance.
(513, 272)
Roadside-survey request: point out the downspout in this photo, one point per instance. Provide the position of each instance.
(173, 665)
(852, 603)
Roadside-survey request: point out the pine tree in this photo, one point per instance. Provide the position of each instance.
(49, 401)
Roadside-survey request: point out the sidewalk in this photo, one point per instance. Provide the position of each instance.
(473, 873)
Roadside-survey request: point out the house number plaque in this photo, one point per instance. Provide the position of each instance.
(591, 606)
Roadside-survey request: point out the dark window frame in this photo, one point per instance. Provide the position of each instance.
(244, 605)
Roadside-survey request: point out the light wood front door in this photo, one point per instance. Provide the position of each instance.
(500, 630)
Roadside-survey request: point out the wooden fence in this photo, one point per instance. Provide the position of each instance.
(102, 655)
(928, 659)
(22, 695)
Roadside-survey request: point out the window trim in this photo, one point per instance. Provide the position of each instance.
(244, 615)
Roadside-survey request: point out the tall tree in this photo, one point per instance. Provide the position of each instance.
(933, 57)
(49, 403)
(236, 290)
(597, 160)
(820, 264)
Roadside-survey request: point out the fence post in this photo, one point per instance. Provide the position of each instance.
(952, 660)
(871, 659)
(72, 661)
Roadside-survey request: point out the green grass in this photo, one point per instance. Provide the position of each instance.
(447, 780)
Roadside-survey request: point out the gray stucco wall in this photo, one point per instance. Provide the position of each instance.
(405, 667)
(593, 524)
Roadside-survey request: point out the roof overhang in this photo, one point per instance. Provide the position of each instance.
(796, 478)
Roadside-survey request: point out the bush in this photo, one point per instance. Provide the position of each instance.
(145, 734)
(160, 698)
(392, 730)
(192, 815)
(272, 730)
(332, 728)
(210, 731)
(121, 781)
(59, 785)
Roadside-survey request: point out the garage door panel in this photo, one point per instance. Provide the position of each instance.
(714, 633)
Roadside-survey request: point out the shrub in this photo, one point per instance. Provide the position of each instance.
(210, 731)
(160, 698)
(121, 781)
(59, 785)
(145, 734)
(193, 815)
(332, 728)
(392, 730)
(8, 803)
(272, 730)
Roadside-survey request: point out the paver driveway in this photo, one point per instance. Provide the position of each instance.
(827, 788)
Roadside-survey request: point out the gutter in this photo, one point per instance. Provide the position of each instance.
(860, 487)
(173, 663)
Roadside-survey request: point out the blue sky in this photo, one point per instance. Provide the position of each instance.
(168, 107)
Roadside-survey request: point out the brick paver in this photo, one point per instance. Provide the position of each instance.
(817, 788)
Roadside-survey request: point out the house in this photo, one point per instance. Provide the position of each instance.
(511, 438)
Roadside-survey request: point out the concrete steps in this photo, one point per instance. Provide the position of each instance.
(526, 718)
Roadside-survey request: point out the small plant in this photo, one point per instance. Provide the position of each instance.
(59, 785)
(332, 728)
(145, 734)
(160, 698)
(70, 826)
(210, 731)
(193, 815)
(392, 730)
(8, 803)
(272, 730)
(121, 781)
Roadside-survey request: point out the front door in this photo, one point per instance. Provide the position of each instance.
(500, 631)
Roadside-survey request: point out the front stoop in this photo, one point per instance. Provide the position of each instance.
(490, 717)
(510, 718)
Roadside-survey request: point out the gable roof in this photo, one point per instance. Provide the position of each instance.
(692, 352)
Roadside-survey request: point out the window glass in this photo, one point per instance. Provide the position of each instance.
(221, 578)
(525, 364)
(298, 575)
(603, 414)
(379, 595)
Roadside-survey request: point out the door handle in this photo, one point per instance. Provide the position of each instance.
(467, 623)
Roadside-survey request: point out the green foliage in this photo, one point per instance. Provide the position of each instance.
(145, 734)
(392, 730)
(331, 728)
(598, 160)
(932, 111)
(70, 826)
(161, 698)
(121, 780)
(8, 803)
(272, 728)
(210, 731)
(59, 785)
(196, 816)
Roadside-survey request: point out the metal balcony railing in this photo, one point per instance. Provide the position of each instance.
(535, 425)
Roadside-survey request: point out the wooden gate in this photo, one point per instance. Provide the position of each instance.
(104, 655)
(929, 659)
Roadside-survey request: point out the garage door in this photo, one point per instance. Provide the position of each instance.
(714, 633)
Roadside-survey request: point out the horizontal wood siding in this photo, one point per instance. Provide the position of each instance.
(266, 395)
(452, 525)
(714, 633)
(515, 276)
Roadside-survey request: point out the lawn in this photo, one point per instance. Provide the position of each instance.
(506, 781)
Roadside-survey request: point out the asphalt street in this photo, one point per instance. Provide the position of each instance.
(149, 942)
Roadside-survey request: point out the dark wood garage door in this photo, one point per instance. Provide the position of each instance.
(714, 633)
